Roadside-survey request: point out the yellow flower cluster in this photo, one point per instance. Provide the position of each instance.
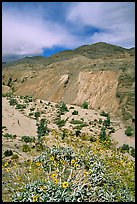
(38, 164)
(64, 184)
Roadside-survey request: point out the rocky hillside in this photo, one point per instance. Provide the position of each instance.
(101, 74)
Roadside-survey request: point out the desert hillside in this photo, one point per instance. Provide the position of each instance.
(106, 81)
(68, 126)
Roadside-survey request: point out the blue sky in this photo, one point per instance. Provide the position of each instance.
(44, 28)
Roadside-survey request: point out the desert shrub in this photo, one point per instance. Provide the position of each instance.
(37, 114)
(84, 136)
(129, 131)
(30, 114)
(32, 109)
(104, 114)
(28, 139)
(42, 129)
(85, 105)
(75, 112)
(77, 132)
(62, 107)
(100, 121)
(106, 122)
(39, 147)
(13, 102)
(67, 176)
(103, 134)
(125, 148)
(8, 153)
(26, 148)
(60, 122)
(71, 107)
(132, 151)
(20, 106)
(7, 135)
(75, 122)
(15, 156)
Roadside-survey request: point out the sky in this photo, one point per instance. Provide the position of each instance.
(44, 28)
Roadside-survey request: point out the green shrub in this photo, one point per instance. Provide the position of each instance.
(71, 107)
(37, 114)
(125, 148)
(42, 127)
(13, 102)
(104, 114)
(62, 107)
(60, 122)
(129, 131)
(28, 139)
(85, 105)
(7, 135)
(15, 156)
(75, 122)
(32, 109)
(75, 112)
(103, 134)
(39, 147)
(30, 114)
(26, 148)
(8, 153)
(132, 152)
(100, 121)
(107, 122)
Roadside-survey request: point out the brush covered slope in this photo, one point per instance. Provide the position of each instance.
(68, 126)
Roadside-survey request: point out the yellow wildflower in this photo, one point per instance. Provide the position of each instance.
(76, 165)
(7, 169)
(55, 181)
(38, 164)
(18, 178)
(72, 161)
(65, 184)
(121, 161)
(85, 173)
(35, 198)
(42, 188)
(15, 165)
(6, 164)
(51, 158)
(53, 176)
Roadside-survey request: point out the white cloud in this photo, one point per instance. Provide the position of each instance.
(24, 33)
(28, 29)
(116, 21)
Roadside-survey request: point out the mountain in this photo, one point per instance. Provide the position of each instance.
(101, 73)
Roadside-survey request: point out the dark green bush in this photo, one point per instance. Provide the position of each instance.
(37, 114)
(129, 131)
(39, 147)
(7, 135)
(106, 122)
(100, 121)
(104, 114)
(103, 134)
(132, 151)
(15, 156)
(75, 112)
(60, 122)
(28, 139)
(26, 148)
(125, 148)
(85, 105)
(13, 102)
(8, 153)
